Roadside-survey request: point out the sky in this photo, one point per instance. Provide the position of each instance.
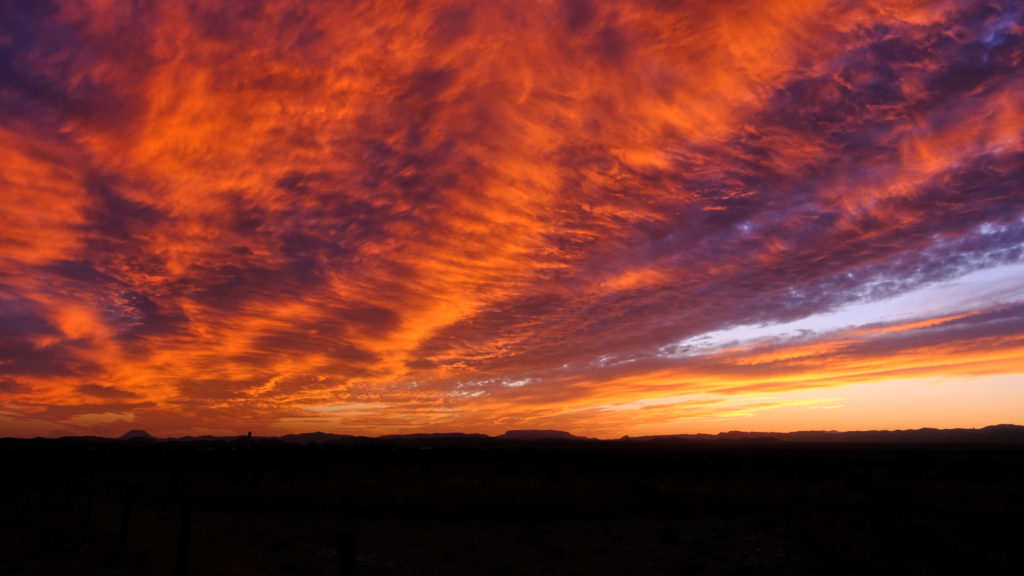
(632, 217)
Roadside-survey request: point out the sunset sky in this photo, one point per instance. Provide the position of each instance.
(629, 217)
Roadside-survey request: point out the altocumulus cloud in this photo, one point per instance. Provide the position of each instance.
(218, 213)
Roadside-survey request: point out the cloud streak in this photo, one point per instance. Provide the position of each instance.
(221, 214)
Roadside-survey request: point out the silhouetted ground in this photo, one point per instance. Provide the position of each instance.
(472, 506)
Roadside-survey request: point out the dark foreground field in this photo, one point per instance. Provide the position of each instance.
(503, 507)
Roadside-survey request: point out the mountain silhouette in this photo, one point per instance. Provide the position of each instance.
(540, 435)
(136, 435)
(997, 434)
(314, 438)
(1000, 434)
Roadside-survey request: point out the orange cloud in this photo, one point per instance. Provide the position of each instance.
(477, 215)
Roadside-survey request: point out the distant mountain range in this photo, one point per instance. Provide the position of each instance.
(1002, 433)
(999, 434)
